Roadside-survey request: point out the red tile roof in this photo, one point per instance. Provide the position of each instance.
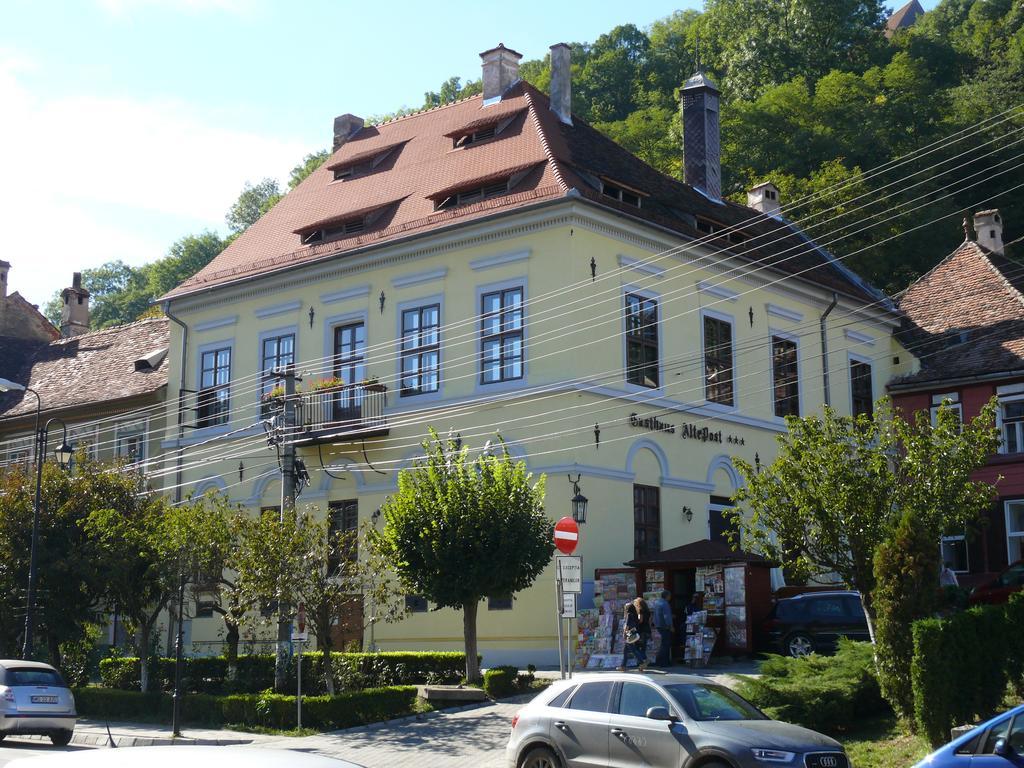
(567, 161)
(965, 317)
(90, 369)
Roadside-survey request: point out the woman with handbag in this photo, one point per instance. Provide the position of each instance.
(634, 640)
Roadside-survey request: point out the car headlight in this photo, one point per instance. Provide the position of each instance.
(773, 755)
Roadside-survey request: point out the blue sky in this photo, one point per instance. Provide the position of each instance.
(129, 123)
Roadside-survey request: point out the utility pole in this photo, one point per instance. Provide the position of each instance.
(288, 482)
(178, 651)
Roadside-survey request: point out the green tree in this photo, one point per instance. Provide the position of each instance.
(70, 575)
(309, 164)
(839, 485)
(252, 203)
(757, 44)
(148, 546)
(295, 560)
(459, 530)
(652, 134)
(452, 90)
(185, 257)
(117, 295)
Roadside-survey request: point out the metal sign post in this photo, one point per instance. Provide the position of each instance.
(558, 606)
(299, 636)
(569, 613)
(568, 571)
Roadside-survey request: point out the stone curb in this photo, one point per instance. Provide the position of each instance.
(93, 739)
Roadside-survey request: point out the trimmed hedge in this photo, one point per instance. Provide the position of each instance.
(501, 682)
(352, 671)
(269, 710)
(819, 692)
(963, 664)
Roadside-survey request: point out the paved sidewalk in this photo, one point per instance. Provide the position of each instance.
(95, 733)
(471, 737)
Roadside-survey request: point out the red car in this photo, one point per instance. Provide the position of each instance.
(1001, 587)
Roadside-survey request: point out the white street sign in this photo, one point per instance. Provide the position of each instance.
(569, 605)
(569, 570)
(300, 637)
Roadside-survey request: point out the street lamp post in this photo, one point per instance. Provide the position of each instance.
(63, 453)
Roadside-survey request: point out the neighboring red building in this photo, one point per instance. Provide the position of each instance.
(967, 329)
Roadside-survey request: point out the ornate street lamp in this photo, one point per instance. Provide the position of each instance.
(63, 453)
(579, 501)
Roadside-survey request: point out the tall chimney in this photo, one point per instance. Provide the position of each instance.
(500, 70)
(561, 82)
(74, 315)
(765, 198)
(701, 155)
(345, 127)
(5, 267)
(988, 227)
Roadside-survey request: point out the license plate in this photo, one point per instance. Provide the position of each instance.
(44, 699)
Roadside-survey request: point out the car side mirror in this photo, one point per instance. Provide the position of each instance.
(659, 713)
(1002, 749)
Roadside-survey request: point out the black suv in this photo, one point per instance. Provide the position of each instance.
(813, 622)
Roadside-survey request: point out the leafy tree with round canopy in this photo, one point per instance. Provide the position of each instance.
(460, 529)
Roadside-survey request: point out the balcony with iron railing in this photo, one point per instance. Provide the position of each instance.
(348, 411)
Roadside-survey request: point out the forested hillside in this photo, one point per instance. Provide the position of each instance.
(814, 97)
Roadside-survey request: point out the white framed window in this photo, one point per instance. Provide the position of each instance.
(1014, 530)
(1011, 424)
(132, 447)
(954, 553)
(719, 364)
(421, 349)
(862, 397)
(785, 375)
(501, 335)
(952, 401)
(642, 335)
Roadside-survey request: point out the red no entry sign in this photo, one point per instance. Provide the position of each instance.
(567, 535)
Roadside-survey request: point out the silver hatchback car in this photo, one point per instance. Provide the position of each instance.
(34, 699)
(668, 721)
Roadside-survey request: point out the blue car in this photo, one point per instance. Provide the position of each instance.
(998, 743)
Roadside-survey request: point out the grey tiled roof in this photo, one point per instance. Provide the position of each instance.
(90, 369)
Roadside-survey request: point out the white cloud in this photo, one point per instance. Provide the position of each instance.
(86, 177)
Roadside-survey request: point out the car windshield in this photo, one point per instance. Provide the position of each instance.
(712, 702)
(33, 676)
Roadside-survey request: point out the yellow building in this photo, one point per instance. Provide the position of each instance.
(498, 265)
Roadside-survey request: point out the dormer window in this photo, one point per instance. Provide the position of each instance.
(481, 130)
(351, 227)
(475, 195)
(475, 137)
(770, 194)
(363, 163)
(621, 193)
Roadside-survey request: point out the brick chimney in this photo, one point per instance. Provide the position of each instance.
(765, 198)
(345, 127)
(561, 82)
(988, 227)
(702, 166)
(500, 71)
(74, 315)
(5, 267)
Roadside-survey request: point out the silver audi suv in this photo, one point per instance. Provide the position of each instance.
(35, 699)
(667, 721)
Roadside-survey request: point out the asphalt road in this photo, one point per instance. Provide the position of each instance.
(12, 749)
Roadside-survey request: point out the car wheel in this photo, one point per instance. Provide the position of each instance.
(61, 738)
(540, 757)
(799, 645)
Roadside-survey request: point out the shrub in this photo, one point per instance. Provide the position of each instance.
(823, 693)
(907, 585)
(266, 709)
(352, 671)
(501, 682)
(962, 665)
